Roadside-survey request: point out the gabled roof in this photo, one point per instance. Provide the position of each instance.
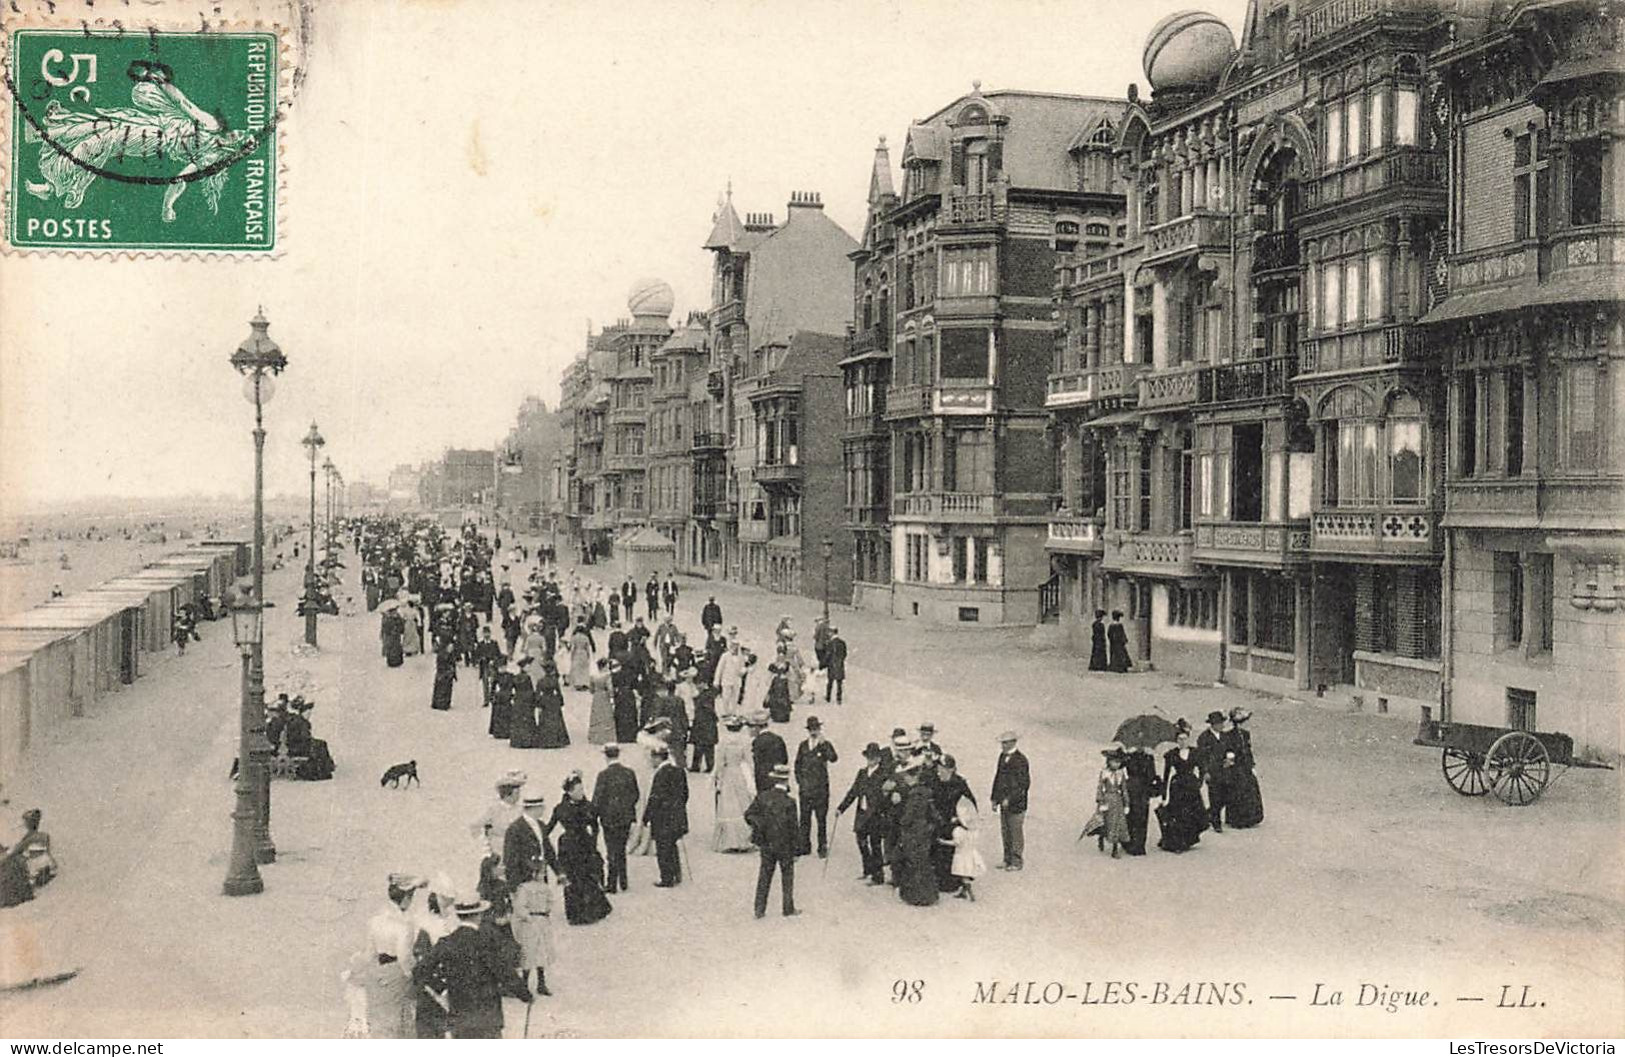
(1040, 129)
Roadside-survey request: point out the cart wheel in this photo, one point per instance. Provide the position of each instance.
(1465, 772)
(1519, 768)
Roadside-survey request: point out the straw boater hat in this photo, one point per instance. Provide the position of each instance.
(733, 722)
(1007, 738)
(471, 908)
(781, 773)
(758, 718)
(511, 779)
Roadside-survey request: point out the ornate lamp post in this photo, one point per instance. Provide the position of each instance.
(829, 548)
(328, 472)
(258, 359)
(243, 874)
(313, 442)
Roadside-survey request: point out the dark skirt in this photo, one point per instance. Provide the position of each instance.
(626, 717)
(1097, 650)
(501, 707)
(15, 887)
(318, 765)
(394, 653)
(778, 699)
(583, 867)
(1245, 807)
(444, 680)
(1119, 661)
(1183, 818)
(550, 730)
(522, 732)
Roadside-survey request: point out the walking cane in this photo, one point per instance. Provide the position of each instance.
(528, 1007)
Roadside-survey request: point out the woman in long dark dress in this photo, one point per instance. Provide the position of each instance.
(502, 700)
(1245, 807)
(445, 673)
(522, 732)
(1182, 818)
(778, 691)
(626, 706)
(917, 838)
(1117, 644)
(579, 861)
(392, 630)
(302, 741)
(1097, 642)
(551, 732)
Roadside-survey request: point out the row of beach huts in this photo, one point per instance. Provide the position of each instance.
(58, 657)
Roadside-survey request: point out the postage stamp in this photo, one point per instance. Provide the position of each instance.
(143, 140)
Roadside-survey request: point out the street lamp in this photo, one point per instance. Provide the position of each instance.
(328, 470)
(829, 548)
(258, 359)
(313, 442)
(243, 874)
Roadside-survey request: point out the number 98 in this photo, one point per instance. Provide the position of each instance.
(907, 991)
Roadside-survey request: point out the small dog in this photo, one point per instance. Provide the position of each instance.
(393, 776)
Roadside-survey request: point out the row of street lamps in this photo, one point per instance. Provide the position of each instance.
(259, 359)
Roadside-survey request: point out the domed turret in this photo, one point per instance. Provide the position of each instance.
(650, 297)
(1187, 50)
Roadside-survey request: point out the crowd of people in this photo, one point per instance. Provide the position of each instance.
(664, 711)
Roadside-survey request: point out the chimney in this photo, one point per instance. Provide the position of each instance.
(758, 221)
(805, 200)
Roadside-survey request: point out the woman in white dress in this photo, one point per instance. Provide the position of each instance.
(734, 787)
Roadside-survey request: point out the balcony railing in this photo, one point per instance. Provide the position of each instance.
(1157, 555)
(1394, 343)
(1338, 15)
(959, 207)
(1070, 387)
(1590, 246)
(1275, 249)
(902, 401)
(1400, 530)
(1169, 388)
(1187, 234)
(868, 339)
(944, 505)
(1272, 543)
(1396, 167)
(707, 442)
(1244, 380)
(777, 472)
(1075, 535)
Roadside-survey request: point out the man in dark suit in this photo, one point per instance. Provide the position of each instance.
(835, 666)
(865, 796)
(767, 750)
(813, 757)
(526, 840)
(473, 969)
(665, 814)
(711, 614)
(629, 595)
(1216, 748)
(772, 818)
(615, 795)
(1011, 782)
(651, 596)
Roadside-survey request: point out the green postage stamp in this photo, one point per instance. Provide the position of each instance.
(131, 140)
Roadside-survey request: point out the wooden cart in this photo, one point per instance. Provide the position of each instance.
(1516, 765)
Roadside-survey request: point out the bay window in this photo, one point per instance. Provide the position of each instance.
(1407, 450)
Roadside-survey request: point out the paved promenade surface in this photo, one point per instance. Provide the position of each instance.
(1367, 870)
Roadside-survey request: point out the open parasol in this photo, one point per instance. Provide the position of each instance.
(1145, 732)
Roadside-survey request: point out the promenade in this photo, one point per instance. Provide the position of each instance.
(1366, 862)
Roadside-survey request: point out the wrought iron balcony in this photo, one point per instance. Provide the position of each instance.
(707, 441)
(1274, 250)
(868, 339)
(1394, 168)
(961, 208)
(908, 400)
(1394, 343)
(1245, 380)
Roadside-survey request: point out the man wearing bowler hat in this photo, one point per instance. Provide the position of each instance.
(1011, 781)
(813, 757)
(1216, 748)
(869, 821)
(472, 968)
(615, 795)
(772, 819)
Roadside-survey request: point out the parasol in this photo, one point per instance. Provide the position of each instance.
(1145, 732)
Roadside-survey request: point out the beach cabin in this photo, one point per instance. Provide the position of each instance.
(240, 551)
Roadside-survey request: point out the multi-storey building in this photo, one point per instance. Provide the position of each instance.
(1528, 321)
(670, 430)
(866, 370)
(589, 486)
(989, 183)
(625, 483)
(564, 506)
(468, 477)
(771, 282)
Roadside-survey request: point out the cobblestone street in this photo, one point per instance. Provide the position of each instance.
(1368, 860)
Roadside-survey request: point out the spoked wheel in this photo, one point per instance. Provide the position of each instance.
(1465, 772)
(1519, 768)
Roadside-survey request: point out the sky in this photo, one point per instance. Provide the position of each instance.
(468, 185)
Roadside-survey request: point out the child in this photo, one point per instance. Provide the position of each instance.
(533, 926)
(968, 863)
(1111, 800)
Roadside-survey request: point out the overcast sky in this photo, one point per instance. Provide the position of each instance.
(468, 184)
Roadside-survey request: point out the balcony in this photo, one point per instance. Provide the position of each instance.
(777, 473)
(1275, 250)
(1187, 235)
(702, 442)
(730, 314)
(944, 506)
(1243, 381)
(876, 338)
(1146, 555)
(1394, 343)
(753, 531)
(908, 401)
(1397, 168)
(1371, 533)
(1597, 245)
(715, 382)
(1074, 534)
(1070, 387)
(704, 509)
(1338, 15)
(1168, 388)
(1535, 502)
(622, 416)
(962, 209)
(625, 462)
(1268, 544)
(868, 516)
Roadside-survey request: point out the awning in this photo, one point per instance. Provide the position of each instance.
(1608, 64)
(1118, 418)
(1570, 289)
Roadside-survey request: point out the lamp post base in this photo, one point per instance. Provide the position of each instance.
(243, 886)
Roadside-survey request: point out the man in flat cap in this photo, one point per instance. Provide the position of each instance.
(772, 819)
